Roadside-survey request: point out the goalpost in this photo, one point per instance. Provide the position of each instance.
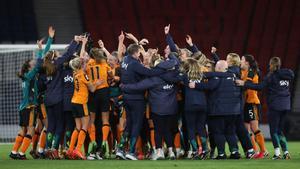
(11, 59)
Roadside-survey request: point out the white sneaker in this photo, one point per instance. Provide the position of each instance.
(91, 157)
(131, 156)
(159, 155)
(153, 154)
(171, 154)
(190, 154)
(179, 153)
(120, 154)
(98, 156)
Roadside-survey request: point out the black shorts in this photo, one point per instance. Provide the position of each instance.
(41, 111)
(251, 112)
(91, 103)
(79, 110)
(101, 100)
(27, 117)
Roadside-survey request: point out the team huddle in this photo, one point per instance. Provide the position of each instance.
(135, 103)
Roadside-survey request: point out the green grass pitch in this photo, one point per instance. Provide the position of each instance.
(294, 163)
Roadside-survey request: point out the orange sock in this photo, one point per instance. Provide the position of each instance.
(35, 140)
(105, 131)
(18, 143)
(92, 132)
(260, 139)
(152, 137)
(177, 140)
(199, 141)
(81, 138)
(138, 145)
(253, 142)
(26, 143)
(74, 138)
(42, 141)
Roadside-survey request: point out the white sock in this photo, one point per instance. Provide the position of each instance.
(14, 152)
(286, 152)
(40, 150)
(251, 150)
(21, 153)
(277, 151)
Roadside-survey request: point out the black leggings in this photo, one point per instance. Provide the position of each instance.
(195, 122)
(165, 127)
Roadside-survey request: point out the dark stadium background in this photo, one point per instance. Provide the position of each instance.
(264, 28)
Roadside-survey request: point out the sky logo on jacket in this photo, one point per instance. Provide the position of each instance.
(124, 65)
(168, 87)
(284, 83)
(68, 78)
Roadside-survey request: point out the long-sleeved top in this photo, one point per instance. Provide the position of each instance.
(30, 81)
(162, 95)
(278, 89)
(68, 87)
(195, 100)
(224, 95)
(132, 71)
(173, 48)
(54, 83)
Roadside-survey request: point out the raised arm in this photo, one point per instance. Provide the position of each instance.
(71, 50)
(31, 74)
(51, 33)
(192, 47)
(132, 37)
(120, 46)
(214, 55)
(170, 40)
(101, 46)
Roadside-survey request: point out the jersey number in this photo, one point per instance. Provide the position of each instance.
(97, 72)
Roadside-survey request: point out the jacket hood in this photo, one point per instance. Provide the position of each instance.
(286, 74)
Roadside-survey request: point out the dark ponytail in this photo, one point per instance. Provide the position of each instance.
(48, 64)
(24, 69)
(252, 63)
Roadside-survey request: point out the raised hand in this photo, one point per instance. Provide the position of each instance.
(77, 38)
(84, 40)
(167, 29)
(189, 40)
(132, 37)
(40, 43)
(213, 50)
(144, 42)
(121, 36)
(101, 44)
(51, 31)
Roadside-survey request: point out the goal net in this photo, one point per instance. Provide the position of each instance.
(11, 59)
